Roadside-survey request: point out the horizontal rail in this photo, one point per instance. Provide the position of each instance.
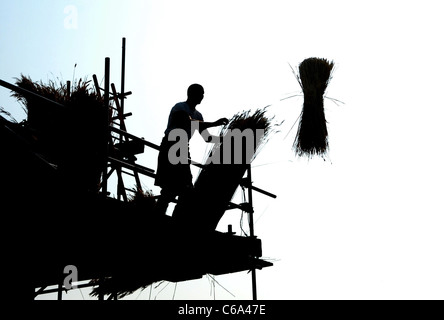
(74, 286)
(147, 143)
(137, 168)
(124, 116)
(247, 184)
(30, 93)
(129, 135)
(264, 192)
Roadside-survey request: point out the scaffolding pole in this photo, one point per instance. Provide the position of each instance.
(106, 118)
(251, 223)
(122, 89)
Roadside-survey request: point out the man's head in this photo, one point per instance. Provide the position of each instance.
(195, 94)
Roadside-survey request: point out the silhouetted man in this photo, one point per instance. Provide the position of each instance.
(176, 179)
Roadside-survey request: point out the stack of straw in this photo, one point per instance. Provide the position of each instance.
(73, 138)
(217, 182)
(312, 136)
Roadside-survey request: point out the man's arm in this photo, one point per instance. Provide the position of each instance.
(203, 126)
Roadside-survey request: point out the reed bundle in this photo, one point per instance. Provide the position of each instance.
(223, 172)
(73, 138)
(312, 136)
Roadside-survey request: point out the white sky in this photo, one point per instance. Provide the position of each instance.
(368, 223)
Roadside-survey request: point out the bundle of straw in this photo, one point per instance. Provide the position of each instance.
(143, 200)
(217, 182)
(312, 136)
(72, 137)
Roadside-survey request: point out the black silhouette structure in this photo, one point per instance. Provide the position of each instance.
(222, 173)
(58, 211)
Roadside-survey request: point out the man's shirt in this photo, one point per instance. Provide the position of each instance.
(182, 107)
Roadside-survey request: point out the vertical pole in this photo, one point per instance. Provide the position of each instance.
(250, 201)
(251, 223)
(96, 84)
(60, 289)
(107, 119)
(121, 113)
(101, 294)
(106, 128)
(59, 292)
(122, 88)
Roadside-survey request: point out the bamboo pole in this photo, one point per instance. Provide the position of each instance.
(251, 223)
(96, 84)
(106, 118)
(122, 89)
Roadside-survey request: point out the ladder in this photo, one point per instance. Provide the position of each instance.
(122, 147)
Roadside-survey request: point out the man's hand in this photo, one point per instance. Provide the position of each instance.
(203, 126)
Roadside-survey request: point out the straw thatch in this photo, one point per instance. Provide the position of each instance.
(217, 182)
(144, 201)
(7, 114)
(74, 137)
(122, 284)
(312, 136)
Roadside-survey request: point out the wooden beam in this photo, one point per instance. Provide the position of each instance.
(106, 115)
(245, 182)
(137, 168)
(96, 84)
(129, 135)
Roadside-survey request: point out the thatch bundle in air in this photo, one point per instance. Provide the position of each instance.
(224, 169)
(312, 136)
(72, 137)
